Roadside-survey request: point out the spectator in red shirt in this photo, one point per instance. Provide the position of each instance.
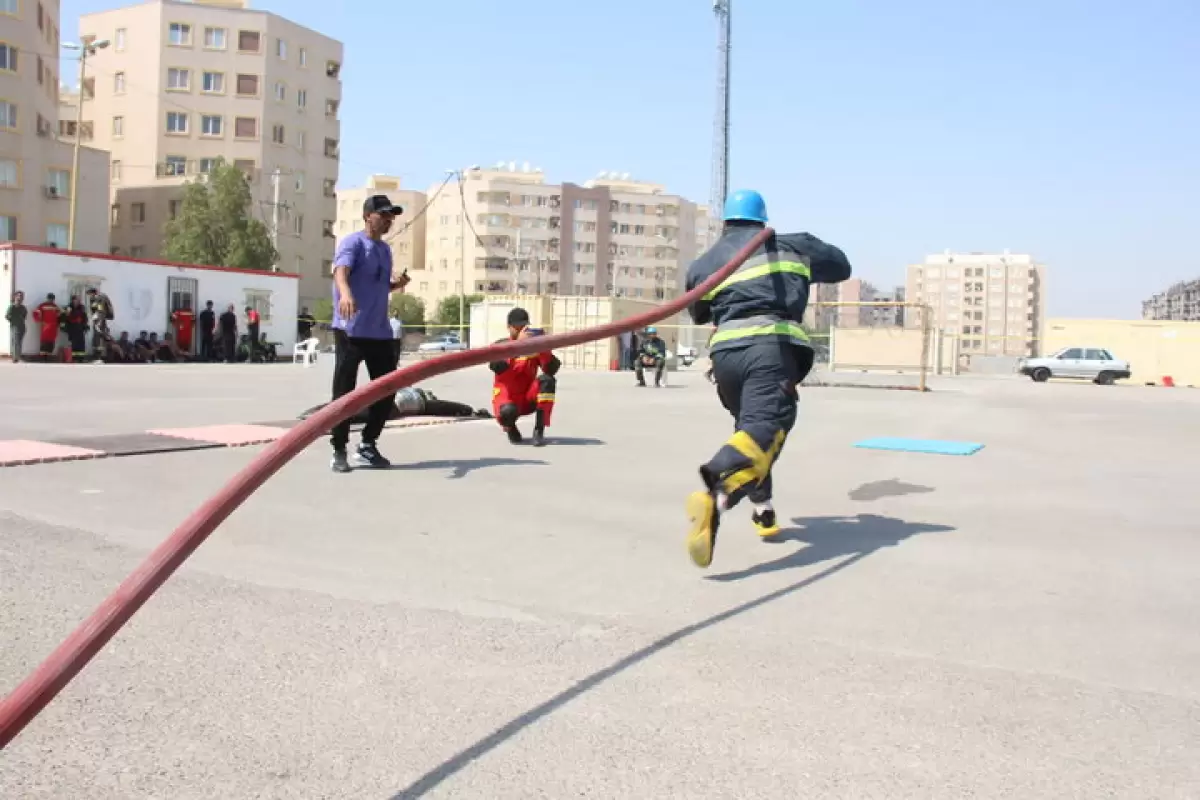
(252, 321)
(47, 314)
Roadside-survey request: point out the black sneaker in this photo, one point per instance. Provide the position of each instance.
(339, 463)
(514, 435)
(765, 523)
(368, 456)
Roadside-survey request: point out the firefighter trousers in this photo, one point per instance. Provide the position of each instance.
(757, 385)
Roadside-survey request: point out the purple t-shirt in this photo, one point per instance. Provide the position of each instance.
(370, 266)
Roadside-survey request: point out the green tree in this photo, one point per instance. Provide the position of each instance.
(410, 309)
(447, 310)
(322, 310)
(214, 225)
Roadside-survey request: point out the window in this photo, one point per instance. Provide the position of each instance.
(249, 41)
(245, 127)
(212, 125)
(137, 213)
(8, 115)
(206, 165)
(177, 122)
(114, 215)
(179, 34)
(260, 301)
(213, 83)
(331, 147)
(119, 39)
(179, 80)
(119, 83)
(214, 38)
(1074, 352)
(9, 174)
(114, 171)
(56, 235)
(301, 140)
(247, 85)
(332, 68)
(281, 49)
(175, 165)
(302, 57)
(331, 107)
(298, 224)
(8, 57)
(280, 91)
(8, 228)
(302, 98)
(173, 208)
(137, 251)
(277, 134)
(118, 127)
(329, 187)
(59, 181)
(299, 182)
(246, 165)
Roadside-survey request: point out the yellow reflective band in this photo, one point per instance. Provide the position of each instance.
(779, 328)
(495, 391)
(772, 268)
(760, 462)
(545, 398)
(739, 479)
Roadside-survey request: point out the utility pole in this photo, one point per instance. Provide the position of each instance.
(275, 198)
(85, 49)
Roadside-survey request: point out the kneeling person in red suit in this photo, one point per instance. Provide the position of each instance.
(524, 385)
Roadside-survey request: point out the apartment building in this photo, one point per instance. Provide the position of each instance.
(857, 290)
(1179, 303)
(185, 83)
(407, 236)
(611, 236)
(36, 186)
(993, 303)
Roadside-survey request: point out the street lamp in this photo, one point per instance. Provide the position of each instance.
(85, 49)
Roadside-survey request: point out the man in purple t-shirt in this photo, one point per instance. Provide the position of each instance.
(362, 286)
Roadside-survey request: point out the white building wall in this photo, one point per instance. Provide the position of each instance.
(138, 290)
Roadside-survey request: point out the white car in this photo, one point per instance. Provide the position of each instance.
(446, 343)
(1087, 363)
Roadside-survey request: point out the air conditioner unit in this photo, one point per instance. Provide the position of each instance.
(51, 191)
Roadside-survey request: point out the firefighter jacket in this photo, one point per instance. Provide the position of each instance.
(766, 297)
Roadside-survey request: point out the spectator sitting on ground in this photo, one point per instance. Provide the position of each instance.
(142, 347)
(125, 347)
(169, 351)
(267, 350)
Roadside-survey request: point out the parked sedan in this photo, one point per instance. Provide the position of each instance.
(444, 343)
(1085, 363)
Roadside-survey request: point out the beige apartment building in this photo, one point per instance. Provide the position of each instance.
(36, 185)
(407, 236)
(185, 83)
(611, 236)
(994, 304)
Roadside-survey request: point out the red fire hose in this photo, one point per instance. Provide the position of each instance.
(43, 685)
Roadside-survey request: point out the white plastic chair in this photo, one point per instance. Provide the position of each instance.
(306, 352)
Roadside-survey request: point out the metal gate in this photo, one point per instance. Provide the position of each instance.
(181, 293)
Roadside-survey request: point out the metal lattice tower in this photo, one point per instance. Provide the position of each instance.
(720, 159)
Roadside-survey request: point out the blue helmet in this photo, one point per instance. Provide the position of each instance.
(747, 205)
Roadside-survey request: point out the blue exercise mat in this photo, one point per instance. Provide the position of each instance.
(935, 446)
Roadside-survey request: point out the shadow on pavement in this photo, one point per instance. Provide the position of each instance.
(830, 537)
(877, 490)
(459, 468)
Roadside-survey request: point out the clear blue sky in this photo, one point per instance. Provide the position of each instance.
(1069, 129)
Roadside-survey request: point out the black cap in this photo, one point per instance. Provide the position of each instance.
(379, 204)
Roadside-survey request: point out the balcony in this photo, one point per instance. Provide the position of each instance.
(331, 107)
(331, 148)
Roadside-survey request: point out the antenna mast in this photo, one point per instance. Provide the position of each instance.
(720, 159)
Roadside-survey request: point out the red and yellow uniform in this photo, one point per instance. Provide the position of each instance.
(523, 386)
(47, 314)
(185, 323)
